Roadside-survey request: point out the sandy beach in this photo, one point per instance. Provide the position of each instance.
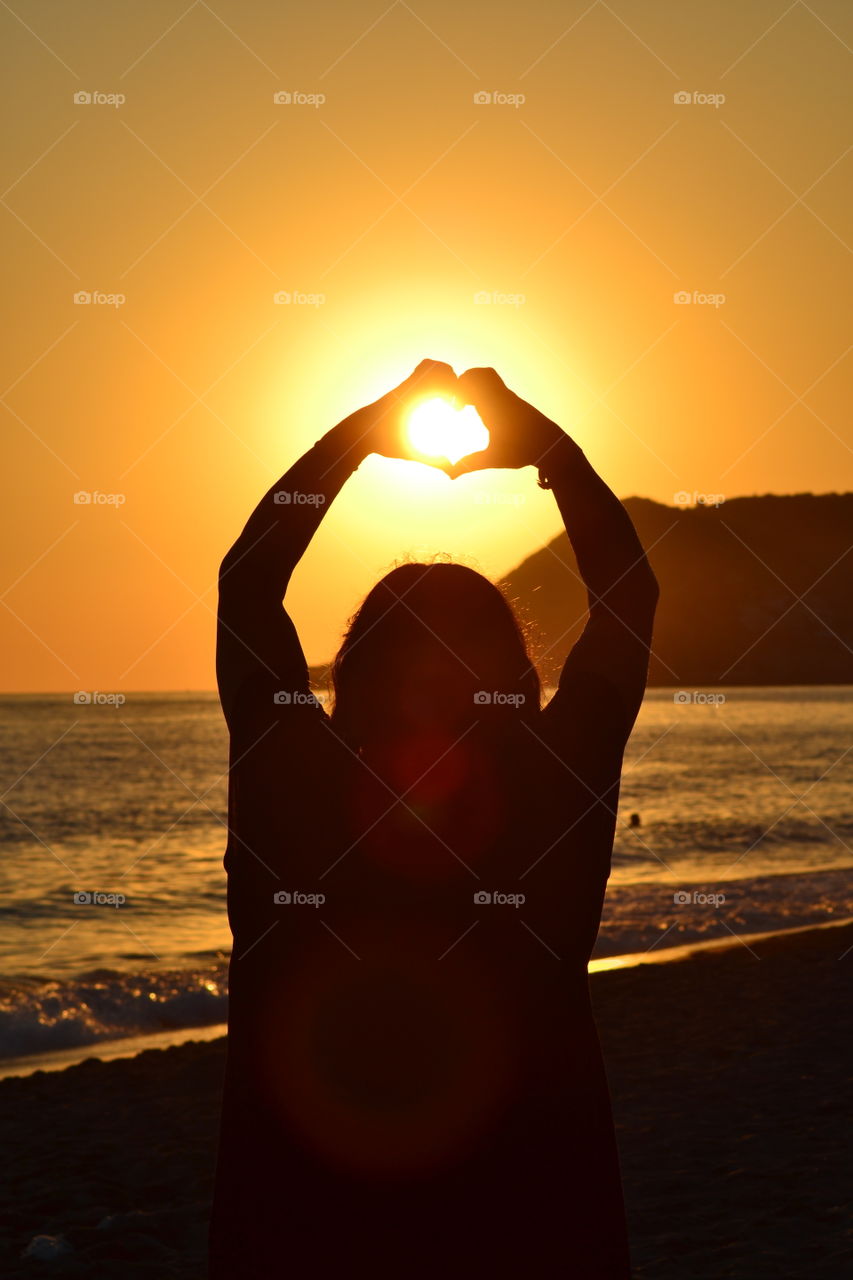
(727, 1070)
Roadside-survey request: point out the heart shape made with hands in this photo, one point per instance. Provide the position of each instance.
(437, 429)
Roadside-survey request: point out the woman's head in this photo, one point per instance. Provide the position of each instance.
(433, 646)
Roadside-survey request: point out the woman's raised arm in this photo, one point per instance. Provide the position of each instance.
(621, 588)
(256, 640)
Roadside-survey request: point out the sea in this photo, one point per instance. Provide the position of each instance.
(735, 820)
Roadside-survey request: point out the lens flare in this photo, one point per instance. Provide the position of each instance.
(438, 430)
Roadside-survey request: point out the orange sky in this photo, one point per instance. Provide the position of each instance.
(397, 199)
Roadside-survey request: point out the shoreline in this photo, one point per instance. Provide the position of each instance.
(130, 1046)
(727, 1076)
(107, 1050)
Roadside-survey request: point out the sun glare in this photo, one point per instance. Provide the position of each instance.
(438, 430)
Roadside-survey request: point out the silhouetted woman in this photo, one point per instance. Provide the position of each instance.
(414, 1084)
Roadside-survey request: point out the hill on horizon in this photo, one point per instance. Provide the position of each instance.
(754, 591)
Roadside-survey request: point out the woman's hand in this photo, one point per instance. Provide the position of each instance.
(519, 435)
(381, 427)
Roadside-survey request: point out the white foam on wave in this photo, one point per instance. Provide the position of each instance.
(40, 1016)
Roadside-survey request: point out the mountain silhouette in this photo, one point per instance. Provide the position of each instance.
(754, 591)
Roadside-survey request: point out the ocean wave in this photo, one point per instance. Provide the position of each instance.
(42, 1015)
(700, 908)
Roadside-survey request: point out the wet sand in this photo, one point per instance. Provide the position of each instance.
(728, 1070)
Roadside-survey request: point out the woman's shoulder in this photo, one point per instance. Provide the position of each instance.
(587, 717)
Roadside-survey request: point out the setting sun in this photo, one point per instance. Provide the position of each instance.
(438, 430)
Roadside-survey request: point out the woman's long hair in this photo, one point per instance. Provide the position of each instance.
(444, 626)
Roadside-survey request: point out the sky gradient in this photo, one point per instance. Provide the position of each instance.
(387, 202)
